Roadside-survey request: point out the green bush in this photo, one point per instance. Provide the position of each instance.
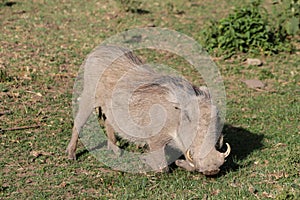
(247, 30)
(287, 15)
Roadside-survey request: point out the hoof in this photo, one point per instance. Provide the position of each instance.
(111, 146)
(71, 154)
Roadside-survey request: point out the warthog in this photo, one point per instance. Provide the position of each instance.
(159, 110)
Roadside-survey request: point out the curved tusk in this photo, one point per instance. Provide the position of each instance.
(188, 156)
(191, 164)
(227, 151)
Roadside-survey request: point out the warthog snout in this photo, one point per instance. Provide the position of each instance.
(209, 165)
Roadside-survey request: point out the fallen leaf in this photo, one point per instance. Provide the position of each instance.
(35, 153)
(215, 192)
(252, 189)
(63, 184)
(40, 153)
(280, 145)
(267, 195)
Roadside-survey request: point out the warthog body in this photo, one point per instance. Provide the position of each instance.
(144, 106)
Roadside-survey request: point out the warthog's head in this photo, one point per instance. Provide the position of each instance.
(208, 165)
(203, 155)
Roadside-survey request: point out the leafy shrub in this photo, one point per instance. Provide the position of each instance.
(288, 15)
(246, 30)
(3, 3)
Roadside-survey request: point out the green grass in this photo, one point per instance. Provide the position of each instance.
(43, 43)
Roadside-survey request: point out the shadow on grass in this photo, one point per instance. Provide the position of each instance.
(82, 153)
(142, 11)
(87, 151)
(242, 143)
(8, 3)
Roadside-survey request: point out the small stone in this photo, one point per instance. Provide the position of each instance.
(254, 83)
(254, 62)
(151, 25)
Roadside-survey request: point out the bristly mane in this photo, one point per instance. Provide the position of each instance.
(202, 91)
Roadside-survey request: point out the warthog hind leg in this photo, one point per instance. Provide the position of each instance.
(111, 139)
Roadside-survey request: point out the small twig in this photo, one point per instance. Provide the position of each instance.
(36, 93)
(19, 128)
(260, 90)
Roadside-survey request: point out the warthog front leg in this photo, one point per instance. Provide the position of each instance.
(84, 111)
(156, 158)
(71, 149)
